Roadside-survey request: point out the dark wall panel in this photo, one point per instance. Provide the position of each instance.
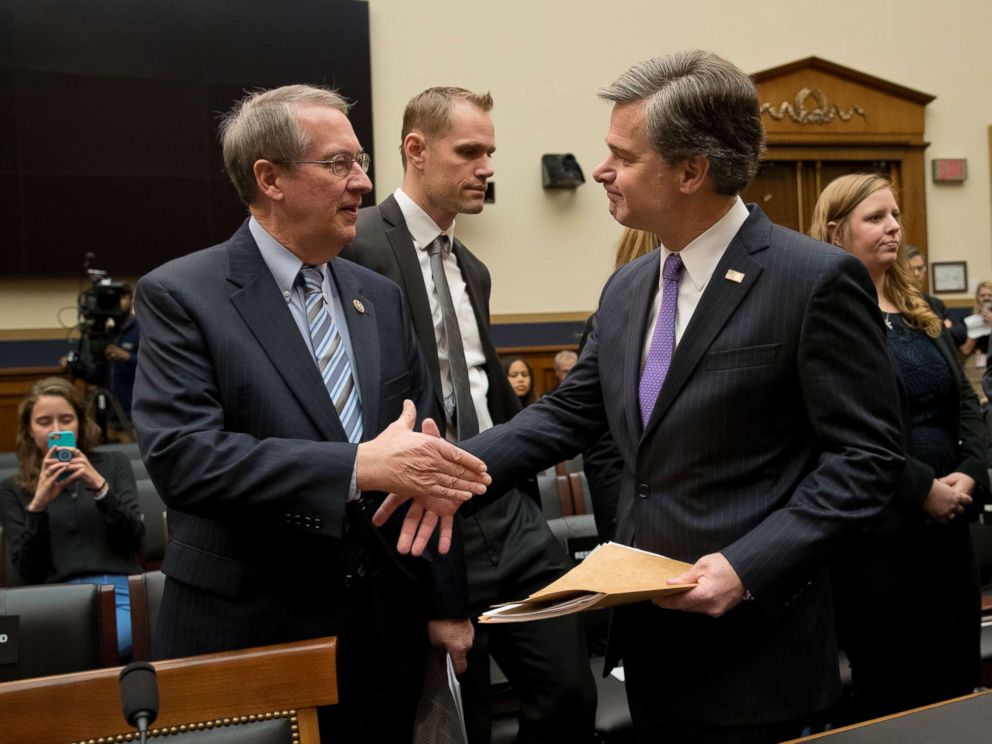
(109, 112)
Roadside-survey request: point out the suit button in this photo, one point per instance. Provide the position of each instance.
(643, 490)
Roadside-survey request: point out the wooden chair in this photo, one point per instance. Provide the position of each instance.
(556, 495)
(146, 597)
(202, 699)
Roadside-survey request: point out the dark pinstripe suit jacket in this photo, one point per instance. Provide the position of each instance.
(246, 448)
(777, 427)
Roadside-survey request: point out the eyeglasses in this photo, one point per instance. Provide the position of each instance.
(919, 269)
(340, 165)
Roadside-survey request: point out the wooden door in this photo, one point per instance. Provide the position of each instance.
(787, 190)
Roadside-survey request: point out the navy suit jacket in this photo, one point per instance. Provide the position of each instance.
(777, 426)
(243, 443)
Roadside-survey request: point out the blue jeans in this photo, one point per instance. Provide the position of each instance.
(123, 603)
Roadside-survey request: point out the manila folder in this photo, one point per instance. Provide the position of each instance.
(612, 574)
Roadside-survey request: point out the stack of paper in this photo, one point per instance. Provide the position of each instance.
(612, 574)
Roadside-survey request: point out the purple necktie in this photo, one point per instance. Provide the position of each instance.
(663, 338)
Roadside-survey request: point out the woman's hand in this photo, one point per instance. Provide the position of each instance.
(945, 501)
(49, 486)
(82, 469)
(79, 468)
(959, 482)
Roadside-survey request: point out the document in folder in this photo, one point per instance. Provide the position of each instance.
(612, 574)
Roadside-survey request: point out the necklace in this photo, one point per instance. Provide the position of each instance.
(888, 323)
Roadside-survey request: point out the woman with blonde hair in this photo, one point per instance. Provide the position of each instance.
(906, 588)
(71, 513)
(634, 243)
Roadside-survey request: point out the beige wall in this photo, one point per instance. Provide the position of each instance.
(542, 61)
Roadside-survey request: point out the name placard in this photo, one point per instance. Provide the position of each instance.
(9, 637)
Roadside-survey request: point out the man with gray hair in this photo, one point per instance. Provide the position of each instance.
(742, 372)
(564, 361)
(274, 404)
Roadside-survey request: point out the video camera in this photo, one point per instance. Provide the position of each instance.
(99, 311)
(102, 301)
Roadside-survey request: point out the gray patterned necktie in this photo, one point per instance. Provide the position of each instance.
(465, 418)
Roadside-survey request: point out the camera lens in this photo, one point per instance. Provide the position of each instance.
(64, 455)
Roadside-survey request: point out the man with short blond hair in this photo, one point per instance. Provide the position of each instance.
(448, 143)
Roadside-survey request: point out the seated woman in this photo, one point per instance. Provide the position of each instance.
(906, 588)
(521, 378)
(74, 520)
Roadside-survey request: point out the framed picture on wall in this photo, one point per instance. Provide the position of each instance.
(950, 276)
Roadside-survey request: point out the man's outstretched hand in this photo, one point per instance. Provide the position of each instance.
(435, 474)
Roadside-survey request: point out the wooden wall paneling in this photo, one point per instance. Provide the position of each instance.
(14, 385)
(822, 118)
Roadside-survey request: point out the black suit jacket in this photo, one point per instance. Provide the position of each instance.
(968, 430)
(243, 442)
(777, 426)
(384, 244)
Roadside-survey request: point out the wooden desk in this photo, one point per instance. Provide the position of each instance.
(964, 720)
(73, 707)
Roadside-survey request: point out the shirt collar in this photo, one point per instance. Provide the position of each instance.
(422, 227)
(701, 256)
(282, 263)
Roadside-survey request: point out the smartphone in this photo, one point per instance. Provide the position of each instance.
(62, 439)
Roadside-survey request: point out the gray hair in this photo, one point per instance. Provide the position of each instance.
(697, 103)
(263, 126)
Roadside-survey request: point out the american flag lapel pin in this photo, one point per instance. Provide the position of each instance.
(734, 276)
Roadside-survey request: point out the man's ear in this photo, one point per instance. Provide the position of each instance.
(267, 179)
(414, 147)
(695, 170)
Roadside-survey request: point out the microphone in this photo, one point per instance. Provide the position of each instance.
(139, 695)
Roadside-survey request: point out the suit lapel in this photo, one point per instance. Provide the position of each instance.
(364, 335)
(263, 309)
(413, 285)
(719, 302)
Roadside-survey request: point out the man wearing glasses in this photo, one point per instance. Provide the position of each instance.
(447, 146)
(272, 403)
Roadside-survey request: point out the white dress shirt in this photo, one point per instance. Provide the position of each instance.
(699, 259)
(424, 230)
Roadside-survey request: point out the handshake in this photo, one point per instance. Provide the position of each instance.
(436, 475)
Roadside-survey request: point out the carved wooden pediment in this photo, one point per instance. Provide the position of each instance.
(813, 99)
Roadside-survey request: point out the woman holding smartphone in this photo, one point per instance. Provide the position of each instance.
(71, 519)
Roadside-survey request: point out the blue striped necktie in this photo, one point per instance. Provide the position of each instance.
(330, 354)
